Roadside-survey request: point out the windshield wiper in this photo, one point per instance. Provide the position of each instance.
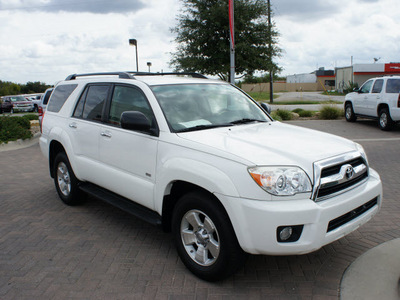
(246, 120)
(202, 127)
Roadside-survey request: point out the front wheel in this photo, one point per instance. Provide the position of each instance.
(204, 237)
(349, 113)
(385, 121)
(65, 181)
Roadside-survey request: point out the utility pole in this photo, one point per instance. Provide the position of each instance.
(232, 41)
(271, 75)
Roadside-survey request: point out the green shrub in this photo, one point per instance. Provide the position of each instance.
(14, 128)
(297, 110)
(306, 114)
(284, 114)
(330, 113)
(31, 117)
(275, 116)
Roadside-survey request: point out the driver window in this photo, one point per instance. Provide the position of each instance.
(366, 87)
(127, 98)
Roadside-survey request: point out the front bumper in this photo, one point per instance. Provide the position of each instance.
(256, 222)
(23, 108)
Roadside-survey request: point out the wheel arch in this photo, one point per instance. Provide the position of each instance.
(176, 190)
(55, 148)
(382, 106)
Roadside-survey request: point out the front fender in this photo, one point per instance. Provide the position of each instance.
(195, 172)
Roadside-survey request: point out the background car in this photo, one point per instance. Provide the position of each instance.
(19, 103)
(44, 99)
(378, 98)
(5, 105)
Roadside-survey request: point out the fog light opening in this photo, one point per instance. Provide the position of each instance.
(289, 233)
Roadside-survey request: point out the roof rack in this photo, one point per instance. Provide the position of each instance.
(122, 75)
(131, 75)
(192, 74)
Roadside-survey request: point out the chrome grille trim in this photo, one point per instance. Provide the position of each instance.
(339, 182)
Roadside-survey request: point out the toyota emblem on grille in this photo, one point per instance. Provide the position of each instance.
(349, 172)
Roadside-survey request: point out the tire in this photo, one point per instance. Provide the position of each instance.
(385, 121)
(349, 113)
(204, 237)
(65, 181)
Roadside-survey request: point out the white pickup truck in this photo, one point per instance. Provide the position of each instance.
(377, 98)
(202, 159)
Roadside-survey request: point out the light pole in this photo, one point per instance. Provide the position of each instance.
(134, 43)
(149, 65)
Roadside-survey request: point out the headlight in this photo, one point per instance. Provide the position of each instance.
(281, 181)
(362, 151)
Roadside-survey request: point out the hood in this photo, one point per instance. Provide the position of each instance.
(272, 143)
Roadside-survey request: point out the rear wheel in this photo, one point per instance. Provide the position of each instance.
(65, 181)
(349, 113)
(385, 121)
(204, 237)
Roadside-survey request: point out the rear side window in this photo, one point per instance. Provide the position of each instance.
(393, 86)
(377, 86)
(59, 96)
(47, 97)
(91, 103)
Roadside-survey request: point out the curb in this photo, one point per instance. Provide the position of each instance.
(20, 144)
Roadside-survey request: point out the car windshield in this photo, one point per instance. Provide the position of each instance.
(190, 107)
(18, 99)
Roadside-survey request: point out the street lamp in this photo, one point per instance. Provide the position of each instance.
(133, 42)
(149, 65)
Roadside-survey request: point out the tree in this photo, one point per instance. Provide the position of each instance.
(34, 87)
(203, 38)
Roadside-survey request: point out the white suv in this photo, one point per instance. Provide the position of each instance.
(202, 159)
(378, 98)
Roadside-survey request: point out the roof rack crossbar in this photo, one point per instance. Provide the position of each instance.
(122, 75)
(193, 74)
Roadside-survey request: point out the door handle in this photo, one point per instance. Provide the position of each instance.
(73, 125)
(106, 134)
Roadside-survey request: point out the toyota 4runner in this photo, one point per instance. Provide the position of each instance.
(202, 159)
(378, 98)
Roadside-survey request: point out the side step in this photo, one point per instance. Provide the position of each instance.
(122, 203)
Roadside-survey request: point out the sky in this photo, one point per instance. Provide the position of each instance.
(46, 40)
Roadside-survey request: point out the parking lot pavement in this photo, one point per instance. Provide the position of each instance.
(95, 251)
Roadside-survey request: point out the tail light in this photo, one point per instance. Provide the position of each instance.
(41, 114)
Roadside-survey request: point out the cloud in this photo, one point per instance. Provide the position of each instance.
(76, 6)
(309, 10)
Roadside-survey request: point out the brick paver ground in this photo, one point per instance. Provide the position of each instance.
(95, 251)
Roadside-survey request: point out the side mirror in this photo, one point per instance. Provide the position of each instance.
(266, 107)
(357, 90)
(135, 120)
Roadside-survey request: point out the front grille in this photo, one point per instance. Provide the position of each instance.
(351, 215)
(337, 175)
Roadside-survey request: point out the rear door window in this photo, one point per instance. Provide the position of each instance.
(377, 86)
(90, 105)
